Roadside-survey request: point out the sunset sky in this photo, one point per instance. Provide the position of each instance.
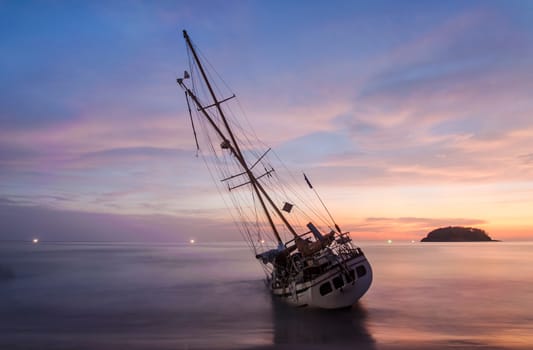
(408, 115)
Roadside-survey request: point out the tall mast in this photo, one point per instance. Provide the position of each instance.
(234, 146)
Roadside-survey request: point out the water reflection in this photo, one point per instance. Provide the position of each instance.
(171, 298)
(6, 273)
(301, 326)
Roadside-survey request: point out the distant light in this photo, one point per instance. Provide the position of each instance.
(389, 241)
(35, 240)
(262, 241)
(412, 241)
(192, 241)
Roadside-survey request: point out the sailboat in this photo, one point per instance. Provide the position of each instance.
(307, 259)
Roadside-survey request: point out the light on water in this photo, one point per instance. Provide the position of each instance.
(166, 296)
(192, 241)
(35, 240)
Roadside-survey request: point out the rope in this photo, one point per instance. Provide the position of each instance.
(192, 123)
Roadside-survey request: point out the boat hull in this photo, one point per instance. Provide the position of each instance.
(336, 288)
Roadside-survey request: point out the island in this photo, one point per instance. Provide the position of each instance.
(457, 234)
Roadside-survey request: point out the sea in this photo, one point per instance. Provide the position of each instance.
(59, 295)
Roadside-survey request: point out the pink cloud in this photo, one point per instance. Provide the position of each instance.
(406, 228)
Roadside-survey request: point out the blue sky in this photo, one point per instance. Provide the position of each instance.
(408, 111)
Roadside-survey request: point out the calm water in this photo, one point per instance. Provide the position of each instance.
(146, 296)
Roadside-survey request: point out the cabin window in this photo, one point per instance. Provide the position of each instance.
(338, 282)
(361, 270)
(325, 288)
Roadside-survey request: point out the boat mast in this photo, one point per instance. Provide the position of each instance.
(234, 146)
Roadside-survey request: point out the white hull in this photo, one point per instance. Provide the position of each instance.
(316, 293)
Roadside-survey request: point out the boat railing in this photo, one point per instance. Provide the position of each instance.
(348, 251)
(292, 242)
(343, 238)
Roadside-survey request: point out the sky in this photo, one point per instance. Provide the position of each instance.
(408, 115)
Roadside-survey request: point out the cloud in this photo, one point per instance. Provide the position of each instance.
(405, 227)
(314, 147)
(450, 105)
(464, 45)
(91, 118)
(527, 158)
(425, 222)
(125, 155)
(72, 142)
(67, 225)
(454, 70)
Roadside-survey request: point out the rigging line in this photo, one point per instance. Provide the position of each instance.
(192, 124)
(317, 216)
(299, 192)
(220, 164)
(209, 70)
(235, 145)
(323, 204)
(242, 211)
(191, 69)
(242, 118)
(287, 188)
(256, 226)
(241, 229)
(235, 148)
(249, 125)
(212, 68)
(289, 172)
(256, 217)
(233, 120)
(243, 172)
(309, 218)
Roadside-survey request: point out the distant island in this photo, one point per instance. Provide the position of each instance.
(457, 234)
